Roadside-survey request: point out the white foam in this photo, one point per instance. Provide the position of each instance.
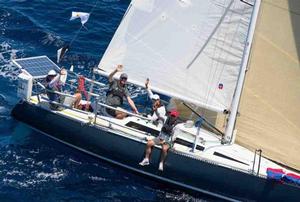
(19, 184)
(3, 110)
(77, 162)
(34, 152)
(57, 176)
(7, 69)
(16, 172)
(95, 178)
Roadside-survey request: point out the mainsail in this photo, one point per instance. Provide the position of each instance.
(190, 49)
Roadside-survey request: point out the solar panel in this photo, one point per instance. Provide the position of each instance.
(37, 67)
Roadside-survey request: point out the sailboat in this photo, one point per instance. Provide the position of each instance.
(195, 51)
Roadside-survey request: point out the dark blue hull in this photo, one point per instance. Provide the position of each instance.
(179, 169)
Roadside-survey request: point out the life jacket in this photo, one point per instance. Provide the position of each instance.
(115, 94)
(168, 126)
(81, 88)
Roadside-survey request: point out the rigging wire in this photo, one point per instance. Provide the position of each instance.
(93, 75)
(79, 30)
(88, 96)
(212, 91)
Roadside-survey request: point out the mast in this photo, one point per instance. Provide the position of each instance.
(237, 95)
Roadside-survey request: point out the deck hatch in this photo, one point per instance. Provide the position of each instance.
(143, 128)
(188, 144)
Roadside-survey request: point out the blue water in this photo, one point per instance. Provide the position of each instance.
(32, 166)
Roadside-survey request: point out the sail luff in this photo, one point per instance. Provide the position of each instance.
(238, 92)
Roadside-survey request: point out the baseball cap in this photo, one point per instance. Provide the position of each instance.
(155, 97)
(52, 72)
(123, 75)
(174, 113)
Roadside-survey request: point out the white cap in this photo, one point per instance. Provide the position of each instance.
(52, 72)
(155, 97)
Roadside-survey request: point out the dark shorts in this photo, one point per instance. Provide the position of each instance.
(111, 112)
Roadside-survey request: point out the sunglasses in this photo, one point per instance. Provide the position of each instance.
(124, 78)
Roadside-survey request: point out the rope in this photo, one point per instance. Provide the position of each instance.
(75, 36)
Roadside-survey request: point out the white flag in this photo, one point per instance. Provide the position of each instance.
(84, 17)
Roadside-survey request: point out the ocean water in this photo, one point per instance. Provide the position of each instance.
(32, 166)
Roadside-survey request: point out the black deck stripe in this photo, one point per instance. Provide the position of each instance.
(227, 157)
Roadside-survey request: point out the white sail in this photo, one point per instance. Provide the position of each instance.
(190, 49)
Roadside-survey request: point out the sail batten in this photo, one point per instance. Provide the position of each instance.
(189, 49)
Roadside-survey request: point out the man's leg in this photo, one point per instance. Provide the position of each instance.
(150, 144)
(163, 155)
(148, 151)
(120, 115)
(78, 97)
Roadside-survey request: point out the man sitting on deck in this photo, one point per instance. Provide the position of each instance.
(117, 91)
(165, 139)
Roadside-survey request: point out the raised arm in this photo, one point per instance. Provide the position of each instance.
(111, 75)
(56, 79)
(150, 94)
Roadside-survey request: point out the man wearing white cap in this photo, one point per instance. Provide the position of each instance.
(55, 82)
(158, 115)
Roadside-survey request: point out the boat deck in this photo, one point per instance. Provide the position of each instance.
(209, 147)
